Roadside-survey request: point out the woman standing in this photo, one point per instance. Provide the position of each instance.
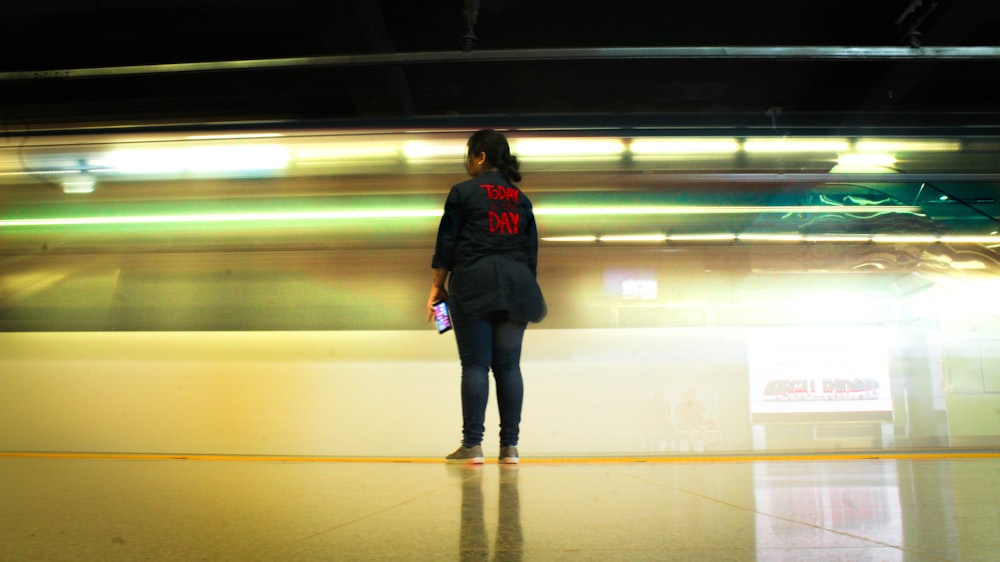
(488, 245)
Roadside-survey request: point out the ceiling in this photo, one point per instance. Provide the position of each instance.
(779, 65)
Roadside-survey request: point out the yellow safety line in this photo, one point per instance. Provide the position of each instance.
(736, 457)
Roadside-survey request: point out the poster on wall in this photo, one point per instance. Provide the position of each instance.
(819, 370)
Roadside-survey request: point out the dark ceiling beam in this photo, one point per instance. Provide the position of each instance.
(804, 53)
(368, 101)
(953, 23)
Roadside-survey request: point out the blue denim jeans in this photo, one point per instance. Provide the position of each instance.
(492, 343)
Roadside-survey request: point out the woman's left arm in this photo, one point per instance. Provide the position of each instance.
(438, 292)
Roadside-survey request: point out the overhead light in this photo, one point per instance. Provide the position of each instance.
(652, 148)
(349, 151)
(772, 145)
(435, 150)
(864, 161)
(904, 145)
(231, 158)
(568, 149)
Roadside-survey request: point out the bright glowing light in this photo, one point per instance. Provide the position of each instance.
(795, 145)
(568, 149)
(223, 217)
(724, 210)
(701, 237)
(435, 151)
(971, 264)
(81, 183)
(235, 136)
(666, 147)
(838, 238)
(569, 238)
(36, 173)
(761, 237)
(902, 145)
(993, 239)
(135, 161)
(851, 160)
(197, 159)
(348, 151)
(904, 239)
(397, 213)
(237, 158)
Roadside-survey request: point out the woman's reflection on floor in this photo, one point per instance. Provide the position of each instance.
(473, 544)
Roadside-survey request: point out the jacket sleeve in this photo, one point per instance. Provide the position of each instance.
(448, 230)
(532, 244)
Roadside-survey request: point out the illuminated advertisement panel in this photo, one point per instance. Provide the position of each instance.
(813, 370)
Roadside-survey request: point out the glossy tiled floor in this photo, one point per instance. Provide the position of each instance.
(78, 509)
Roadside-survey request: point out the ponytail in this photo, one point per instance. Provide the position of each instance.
(497, 150)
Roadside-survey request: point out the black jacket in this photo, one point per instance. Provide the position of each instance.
(488, 240)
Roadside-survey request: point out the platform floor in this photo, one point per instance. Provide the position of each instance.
(159, 509)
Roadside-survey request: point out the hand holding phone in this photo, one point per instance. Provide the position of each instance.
(442, 317)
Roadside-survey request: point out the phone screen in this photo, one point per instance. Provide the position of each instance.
(441, 317)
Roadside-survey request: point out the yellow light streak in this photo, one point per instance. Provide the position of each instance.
(568, 149)
(234, 136)
(904, 239)
(971, 264)
(723, 210)
(222, 217)
(903, 145)
(348, 151)
(197, 159)
(775, 145)
(838, 238)
(651, 148)
(763, 237)
(852, 160)
(569, 239)
(992, 239)
(710, 237)
(420, 150)
(634, 238)
(421, 213)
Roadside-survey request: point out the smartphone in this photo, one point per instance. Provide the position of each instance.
(442, 317)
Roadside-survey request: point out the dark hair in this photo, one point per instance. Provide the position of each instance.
(498, 155)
